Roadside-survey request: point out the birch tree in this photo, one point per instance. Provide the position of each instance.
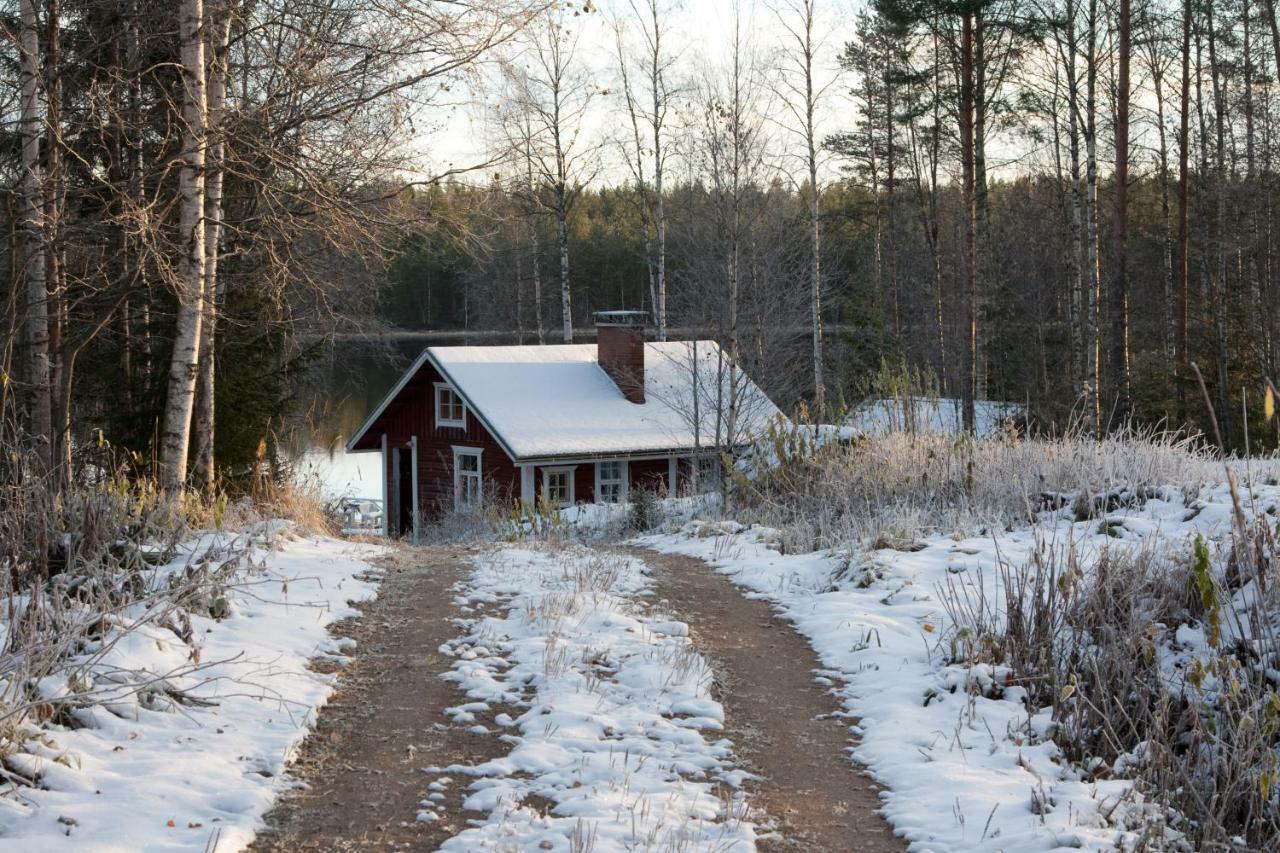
(557, 93)
(217, 29)
(184, 364)
(802, 96)
(647, 110)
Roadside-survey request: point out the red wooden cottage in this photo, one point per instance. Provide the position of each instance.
(565, 424)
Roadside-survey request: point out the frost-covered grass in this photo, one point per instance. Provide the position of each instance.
(1048, 643)
(893, 488)
(615, 738)
(162, 714)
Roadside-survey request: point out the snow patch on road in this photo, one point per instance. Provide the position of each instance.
(615, 736)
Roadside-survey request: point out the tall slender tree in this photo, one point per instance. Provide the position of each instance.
(184, 364)
(1119, 295)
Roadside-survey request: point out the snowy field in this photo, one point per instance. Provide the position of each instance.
(966, 763)
(607, 709)
(192, 759)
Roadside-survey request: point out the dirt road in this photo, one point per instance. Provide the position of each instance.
(361, 782)
(782, 723)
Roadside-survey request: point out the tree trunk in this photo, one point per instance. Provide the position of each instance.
(1181, 359)
(970, 258)
(184, 364)
(218, 31)
(1092, 339)
(34, 239)
(1119, 302)
(61, 363)
(1220, 292)
(659, 203)
(562, 239)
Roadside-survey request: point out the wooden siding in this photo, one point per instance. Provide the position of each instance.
(413, 413)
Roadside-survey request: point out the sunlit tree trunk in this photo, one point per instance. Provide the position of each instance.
(218, 33)
(184, 364)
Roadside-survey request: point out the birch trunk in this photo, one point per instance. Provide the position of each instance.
(658, 90)
(566, 296)
(218, 30)
(184, 364)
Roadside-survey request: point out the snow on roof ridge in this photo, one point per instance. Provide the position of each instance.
(555, 401)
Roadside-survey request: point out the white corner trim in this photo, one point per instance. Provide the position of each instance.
(417, 507)
(386, 494)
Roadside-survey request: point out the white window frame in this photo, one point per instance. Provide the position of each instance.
(458, 453)
(441, 420)
(624, 479)
(568, 471)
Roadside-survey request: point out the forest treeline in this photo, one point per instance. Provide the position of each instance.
(1065, 203)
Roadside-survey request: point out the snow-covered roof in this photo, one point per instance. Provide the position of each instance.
(940, 415)
(556, 401)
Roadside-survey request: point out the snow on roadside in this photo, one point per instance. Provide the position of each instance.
(962, 772)
(193, 777)
(608, 710)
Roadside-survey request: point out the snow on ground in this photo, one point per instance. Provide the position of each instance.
(608, 711)
(941, 415)
(962, 771)
(192, 777)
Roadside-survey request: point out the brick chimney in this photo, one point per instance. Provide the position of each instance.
(620, 350)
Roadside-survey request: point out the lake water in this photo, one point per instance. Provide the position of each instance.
(341, 390)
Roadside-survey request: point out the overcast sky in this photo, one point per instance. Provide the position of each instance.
(699, 30)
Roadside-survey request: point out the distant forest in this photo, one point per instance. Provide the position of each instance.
(1064, 204)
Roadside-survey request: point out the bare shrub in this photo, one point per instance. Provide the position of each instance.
(1196, 728)
(87, 558)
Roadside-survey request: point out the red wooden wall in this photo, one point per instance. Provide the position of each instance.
(412, 413)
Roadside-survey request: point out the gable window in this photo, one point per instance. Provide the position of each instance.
(450, 410)
(611, 481)
(557, 487)
(468, 478)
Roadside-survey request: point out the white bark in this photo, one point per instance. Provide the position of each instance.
(218, 26)
(184, 365)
